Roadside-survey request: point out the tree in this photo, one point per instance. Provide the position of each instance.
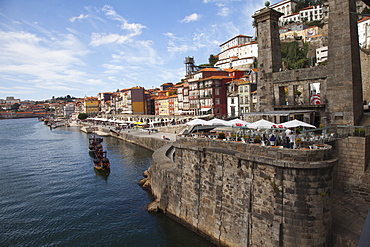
(15, 107)
(212, 60)
(294, 55)
(82, 116)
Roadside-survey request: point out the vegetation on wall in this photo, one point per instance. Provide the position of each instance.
(294, 55)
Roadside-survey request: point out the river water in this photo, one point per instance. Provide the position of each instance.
(50, 194)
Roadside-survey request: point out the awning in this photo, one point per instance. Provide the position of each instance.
(205, 109)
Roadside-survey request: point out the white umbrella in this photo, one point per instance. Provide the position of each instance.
(217, 121)
(261, 124)
(197, 122)
(296, 123)
(238, 122)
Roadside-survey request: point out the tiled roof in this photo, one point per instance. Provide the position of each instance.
(207, 69)
(364, 19)
(309, 7)
(216, 77)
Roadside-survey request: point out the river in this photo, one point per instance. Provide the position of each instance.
(51, 196)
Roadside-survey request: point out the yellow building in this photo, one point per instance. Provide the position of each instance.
(91, 105)
(162, 105)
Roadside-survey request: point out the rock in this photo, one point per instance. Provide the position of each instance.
(146, 174)
(147, 184)
(153, 207)
(142, 181)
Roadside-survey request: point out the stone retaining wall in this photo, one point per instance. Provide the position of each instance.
(146, 142)
(352, 172)
(247, 195)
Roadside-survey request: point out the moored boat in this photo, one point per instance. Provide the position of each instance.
(101, 162)
(95, 145)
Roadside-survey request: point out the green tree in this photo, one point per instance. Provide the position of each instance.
(82, 116)
(294, 55)
(15, 107)
(212, 60)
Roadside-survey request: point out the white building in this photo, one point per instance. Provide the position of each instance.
(239, 52)
(321, 54)
(312, 13)
(364, 32)
(286, 7)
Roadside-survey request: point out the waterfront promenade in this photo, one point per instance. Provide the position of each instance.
(349, 213)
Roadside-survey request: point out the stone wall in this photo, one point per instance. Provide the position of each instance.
(146, 142)
(247, 195)
(352, 172)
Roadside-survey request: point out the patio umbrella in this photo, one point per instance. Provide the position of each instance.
(296, 123)
(217, 121)
(197, 122)
(261, 124)
(238, 122)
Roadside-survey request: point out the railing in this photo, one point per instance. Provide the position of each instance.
(328, 134)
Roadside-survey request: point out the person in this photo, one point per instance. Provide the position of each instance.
(287, 140)
(272, 140)
(292, 138)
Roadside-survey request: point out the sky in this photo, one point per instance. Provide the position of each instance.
(84, 47)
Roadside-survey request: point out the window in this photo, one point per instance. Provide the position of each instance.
(217, 101)
(298, 95)
(315, 97)
(283, 95)
(217, 91)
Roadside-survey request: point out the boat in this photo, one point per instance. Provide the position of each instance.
(101, 162)
(95, 145)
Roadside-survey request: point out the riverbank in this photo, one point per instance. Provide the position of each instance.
(346, 222)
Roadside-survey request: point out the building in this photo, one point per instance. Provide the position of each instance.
(123, 102)
(364, 32)
(91, 105)
(321, 54)
(233, 109)
(138, 100)
(286, 7)
(311, 94)
(239, 52)
(68, 109)
(162, 105)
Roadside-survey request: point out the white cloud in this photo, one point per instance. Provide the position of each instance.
(41, 62)
(192, 17)
(100, 39)
(80, 17)
(224, 11)
(133, 29)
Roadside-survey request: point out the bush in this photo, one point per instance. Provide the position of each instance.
(82, 116)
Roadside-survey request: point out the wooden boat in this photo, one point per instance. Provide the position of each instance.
(101, 162)
(95, 145)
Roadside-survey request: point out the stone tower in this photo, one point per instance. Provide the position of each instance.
(344, 83)
(269, 55)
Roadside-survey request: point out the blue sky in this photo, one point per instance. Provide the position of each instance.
(80, 48)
